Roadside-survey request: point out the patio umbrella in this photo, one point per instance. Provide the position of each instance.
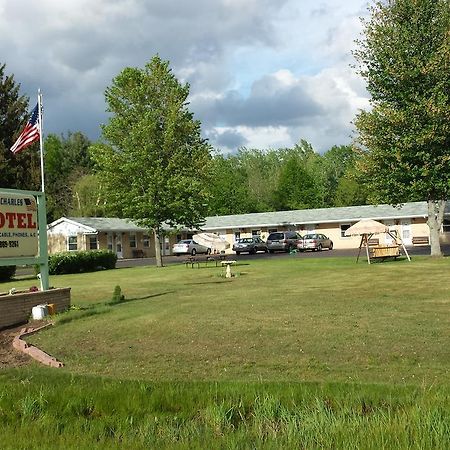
(212, 241)
(366, 226)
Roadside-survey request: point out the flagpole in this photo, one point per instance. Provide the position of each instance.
(41, 144)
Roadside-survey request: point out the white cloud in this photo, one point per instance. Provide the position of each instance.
(262, 73)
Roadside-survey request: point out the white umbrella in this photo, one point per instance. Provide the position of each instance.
(366, 226)
(212, 241)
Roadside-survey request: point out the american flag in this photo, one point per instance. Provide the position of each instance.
(29, 134)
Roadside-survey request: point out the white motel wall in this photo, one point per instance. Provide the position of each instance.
(129, 240)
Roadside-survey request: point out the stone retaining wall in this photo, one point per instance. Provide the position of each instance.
(16, 308)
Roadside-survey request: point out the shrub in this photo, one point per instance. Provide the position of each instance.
(117, 295)
(7, 272)
(84, 261)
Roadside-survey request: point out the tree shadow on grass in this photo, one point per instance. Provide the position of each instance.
(207, 282)
(81, 312)
(145, 297)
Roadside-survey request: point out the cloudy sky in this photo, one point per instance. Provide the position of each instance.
(263, 73)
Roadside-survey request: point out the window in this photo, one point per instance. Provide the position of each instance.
(93, 244)
(132, 240)
(276, 236)
(72, 243)
(146, 241)
(237, 235)
(446, 226)
(256, 232)
(344, 228)
(272, 230)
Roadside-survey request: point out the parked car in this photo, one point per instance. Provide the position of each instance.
(250, 245)
(189, 247)
(284, 241)
(315, 242)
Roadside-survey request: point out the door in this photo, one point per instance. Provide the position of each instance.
(165, 246)
(406, 232)
(119, 252)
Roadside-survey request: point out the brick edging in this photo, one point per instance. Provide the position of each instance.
(30, 350)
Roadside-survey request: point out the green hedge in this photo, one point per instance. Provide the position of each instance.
(84, 261)
(7, 272)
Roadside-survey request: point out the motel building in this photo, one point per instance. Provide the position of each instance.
(128, 240)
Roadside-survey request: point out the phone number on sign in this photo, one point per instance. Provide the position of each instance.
(4, 244)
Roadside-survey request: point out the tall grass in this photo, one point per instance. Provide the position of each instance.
(44, 409)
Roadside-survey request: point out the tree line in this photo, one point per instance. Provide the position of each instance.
(251, 180)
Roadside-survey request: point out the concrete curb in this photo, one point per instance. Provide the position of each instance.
(36, 353)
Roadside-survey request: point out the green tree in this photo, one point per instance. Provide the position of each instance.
(67, 160)
(336, 162)
(301, 179)
(229, 189)
(262, 170)
(296, 188)
(405, 59)
(20, 171)
(350, 190)
(156, 168)
(88, 199)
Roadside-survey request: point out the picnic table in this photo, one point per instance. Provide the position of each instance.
(193, 261)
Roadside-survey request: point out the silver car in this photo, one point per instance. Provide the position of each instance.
(284, 241)
(251, 245)
(189, 247)
(315, 242)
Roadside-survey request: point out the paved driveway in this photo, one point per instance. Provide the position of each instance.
(413, 251)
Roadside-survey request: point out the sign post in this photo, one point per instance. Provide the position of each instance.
(23, 230)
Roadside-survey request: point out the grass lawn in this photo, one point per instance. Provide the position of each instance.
(290, 319)
(313, 345)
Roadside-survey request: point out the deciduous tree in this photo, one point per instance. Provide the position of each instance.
(405, 59)
(67, 160)
(88, 199)
(156, 167)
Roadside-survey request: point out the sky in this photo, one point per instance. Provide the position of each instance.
(262, 73)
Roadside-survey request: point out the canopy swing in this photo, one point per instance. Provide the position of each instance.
(367, 228)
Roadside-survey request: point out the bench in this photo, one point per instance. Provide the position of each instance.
(383, 252)
(374, 242)
(420, 240)
(138, 253)
(191, 261)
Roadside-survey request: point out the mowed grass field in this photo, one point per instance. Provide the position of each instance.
(290, 319)
(290, 353)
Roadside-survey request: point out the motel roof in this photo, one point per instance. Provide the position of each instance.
(346, 214)
(316, 216)
(95, 224)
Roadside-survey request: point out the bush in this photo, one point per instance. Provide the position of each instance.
(7, 272)
(85, 261)
(117, 295)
